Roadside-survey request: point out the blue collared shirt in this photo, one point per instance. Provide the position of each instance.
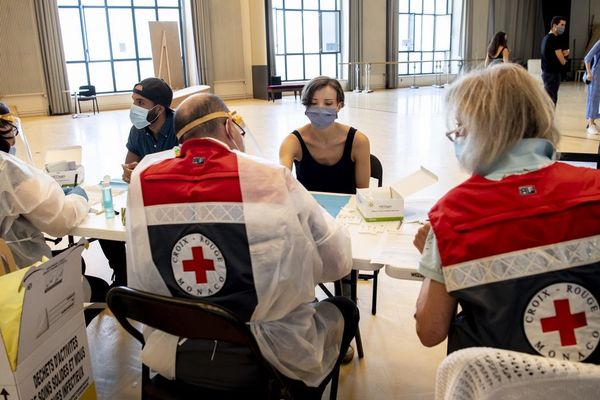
(141, 142)
(528, 155)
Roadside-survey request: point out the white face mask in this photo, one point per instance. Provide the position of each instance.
(139, 116)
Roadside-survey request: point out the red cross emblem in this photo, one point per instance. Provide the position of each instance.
(564, 322)
(199, 265)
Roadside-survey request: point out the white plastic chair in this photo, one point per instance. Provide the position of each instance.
(484, 373)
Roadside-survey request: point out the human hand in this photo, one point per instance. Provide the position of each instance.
(127, 170)
(421, 237)
(78, 190)
(566, 52)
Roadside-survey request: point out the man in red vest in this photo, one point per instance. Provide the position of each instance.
(215, 224)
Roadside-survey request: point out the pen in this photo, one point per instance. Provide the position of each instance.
(75, 182)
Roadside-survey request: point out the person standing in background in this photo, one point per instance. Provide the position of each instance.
(553, 57)
(497, 50)
(592, 68)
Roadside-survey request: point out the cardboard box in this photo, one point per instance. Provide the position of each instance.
(387, 203)
(44, 353)
(67, 178)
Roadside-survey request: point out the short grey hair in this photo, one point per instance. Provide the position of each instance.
(498, 107)
(195, 107)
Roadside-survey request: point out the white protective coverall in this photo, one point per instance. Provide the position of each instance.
(292, 243)
(31, 202)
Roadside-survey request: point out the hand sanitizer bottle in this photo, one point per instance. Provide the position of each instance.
(107, 200)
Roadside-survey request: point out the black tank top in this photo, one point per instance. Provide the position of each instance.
(499, 56)
(336, 178)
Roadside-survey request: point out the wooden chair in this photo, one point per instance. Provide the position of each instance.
(377, 173)
(195, 320)
(88, 93)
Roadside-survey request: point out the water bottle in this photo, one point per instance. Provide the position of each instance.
(107, 200)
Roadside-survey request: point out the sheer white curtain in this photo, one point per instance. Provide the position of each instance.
(53, 56)
(202, 38)
(391, 48)
(355, 45)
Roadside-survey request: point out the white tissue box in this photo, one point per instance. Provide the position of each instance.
(67, 178)
(387, 203)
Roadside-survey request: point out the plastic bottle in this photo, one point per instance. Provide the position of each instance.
(107, 200)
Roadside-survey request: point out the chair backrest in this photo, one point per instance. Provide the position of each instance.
(376, 170)
(87, 90)
(7, 261)
(173, 316)
(487, 373)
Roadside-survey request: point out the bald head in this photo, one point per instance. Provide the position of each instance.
(195, 107)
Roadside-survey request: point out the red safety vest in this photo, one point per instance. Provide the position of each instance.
(522, 256)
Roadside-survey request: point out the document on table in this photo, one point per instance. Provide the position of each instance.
(396, 247)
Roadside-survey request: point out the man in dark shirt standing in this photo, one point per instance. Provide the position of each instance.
(553, 57)
(152, 131)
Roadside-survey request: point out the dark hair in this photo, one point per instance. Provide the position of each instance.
(556, 20)
(4, 145)
(498, 40)
(318, 83)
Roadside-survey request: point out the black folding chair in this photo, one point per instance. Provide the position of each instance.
(195, 320)
(88, 93)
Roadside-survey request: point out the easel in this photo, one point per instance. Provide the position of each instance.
(164, 54)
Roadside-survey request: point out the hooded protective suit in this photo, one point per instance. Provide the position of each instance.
(31, 202)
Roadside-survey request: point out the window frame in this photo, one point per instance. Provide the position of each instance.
(405, 55)
(322, 51)
(112, 60)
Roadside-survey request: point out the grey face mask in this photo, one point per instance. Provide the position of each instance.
(12, 150)
(321, 117)
(560, 30)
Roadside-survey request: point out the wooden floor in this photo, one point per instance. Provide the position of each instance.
(406, 128)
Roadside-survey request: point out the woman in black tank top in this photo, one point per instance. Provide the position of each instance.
(497, 50)
(328, 156)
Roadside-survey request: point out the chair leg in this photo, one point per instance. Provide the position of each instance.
(359, 346)
(334, 382)
(374, 300)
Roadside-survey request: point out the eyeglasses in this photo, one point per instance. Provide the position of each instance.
(456, 133)
(11, 133)
(242, 131)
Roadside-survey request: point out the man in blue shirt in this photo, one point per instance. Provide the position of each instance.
(152, 120)
(152, 131)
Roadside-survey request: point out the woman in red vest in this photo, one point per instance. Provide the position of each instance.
(517, 245)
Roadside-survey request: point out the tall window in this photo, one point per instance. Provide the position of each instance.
(107, 42)
(307, 38)
(425, 28)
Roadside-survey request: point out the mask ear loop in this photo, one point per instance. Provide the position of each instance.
(229, 135)
(155, 118)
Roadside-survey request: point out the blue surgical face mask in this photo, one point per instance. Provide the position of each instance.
(321, 117)
(12, 150)
(139, 116)
(560, 30)
(459, 146)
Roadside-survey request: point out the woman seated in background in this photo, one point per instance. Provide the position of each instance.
(328, 156)
(497, 50)
(517, 244)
